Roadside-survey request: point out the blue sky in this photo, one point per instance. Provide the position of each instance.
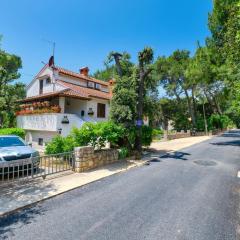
(86, 31)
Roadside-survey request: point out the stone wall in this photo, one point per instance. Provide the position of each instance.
(178, 135)
(87, 158)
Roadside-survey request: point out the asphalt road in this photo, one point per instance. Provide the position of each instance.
(189, 195)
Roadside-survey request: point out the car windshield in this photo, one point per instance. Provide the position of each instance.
(11, 142)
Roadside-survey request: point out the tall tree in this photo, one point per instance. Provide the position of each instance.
(133, 93)
(9, 93)
(145, 58)
(172, 75)
(9, 104)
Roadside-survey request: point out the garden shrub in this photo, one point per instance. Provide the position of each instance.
(157, 133)
(146, 135)
(110, 132)
(217, 121)
(13, 131)
(97, 134)
(85, 135)
(60, 144)
(123, 153)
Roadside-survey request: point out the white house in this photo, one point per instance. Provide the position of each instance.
(59, 99)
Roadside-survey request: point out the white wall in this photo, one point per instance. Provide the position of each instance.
(75, 106)
(93, 104)
(47, 122)
(33, 87)
(33, 136)
(72, 80)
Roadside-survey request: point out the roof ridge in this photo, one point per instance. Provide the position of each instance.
(79, 75)
(86, 91)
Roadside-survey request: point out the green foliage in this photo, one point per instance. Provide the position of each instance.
(157, 133)
(13, 131)
(109, 132)
(60, 144)
(97, 134)
(220, 122)
(123, 153)
(146, 136)
(123, 104)
(9, 104)
(9, 93)
(85, 135)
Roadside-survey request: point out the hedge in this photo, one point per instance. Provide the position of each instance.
(13, 131)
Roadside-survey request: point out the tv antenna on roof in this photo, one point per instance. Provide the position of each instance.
(53, 45)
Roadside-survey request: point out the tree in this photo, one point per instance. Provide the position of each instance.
(145, 58)
(173, 77)
(133, 92)
(9, 93)
(9, 104)
(9, 66)
(122, 67)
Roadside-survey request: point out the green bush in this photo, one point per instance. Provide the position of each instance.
(147, 136)
(13, 131)
(85, 135)
(217, 121)
(110, 132)
(97, 134)
(157, 133)
(60, 144)
(123, 153)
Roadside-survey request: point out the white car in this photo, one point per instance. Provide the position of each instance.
(16, 156)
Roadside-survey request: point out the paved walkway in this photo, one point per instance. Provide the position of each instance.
(17, 195)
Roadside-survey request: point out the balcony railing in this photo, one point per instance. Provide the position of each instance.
(38, 108)
(54, 122)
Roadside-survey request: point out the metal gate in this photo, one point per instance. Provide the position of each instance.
(41, 166)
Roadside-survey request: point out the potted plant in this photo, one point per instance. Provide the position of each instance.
(90, 112)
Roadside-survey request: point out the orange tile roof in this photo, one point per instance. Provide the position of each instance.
(64, 93)
(80, 76)
(84, 91)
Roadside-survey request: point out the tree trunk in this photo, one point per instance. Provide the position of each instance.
(219, 110)
(177, 96)
(190, 109)
(138, 140)
(117, 61)
(194, 103)
(214, 110)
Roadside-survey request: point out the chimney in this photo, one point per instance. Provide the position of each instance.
(84, 71)
(111, 85)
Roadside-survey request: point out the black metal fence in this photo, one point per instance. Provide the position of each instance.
(34, 167)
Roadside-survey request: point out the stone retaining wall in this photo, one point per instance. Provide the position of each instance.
(87, 158)
(178, 135)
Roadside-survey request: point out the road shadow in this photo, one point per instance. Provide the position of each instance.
(228, 143)
(177, 155)
(232, 135)
(9, 223)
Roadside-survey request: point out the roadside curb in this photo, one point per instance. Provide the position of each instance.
(5, 214)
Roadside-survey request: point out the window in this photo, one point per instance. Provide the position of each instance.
(90, 84)
(40, 141)
(11, 142)
(101, 110)
(40, 86)
(97, 86)
(48, 81)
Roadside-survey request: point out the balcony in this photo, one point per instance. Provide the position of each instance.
(52, 122)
